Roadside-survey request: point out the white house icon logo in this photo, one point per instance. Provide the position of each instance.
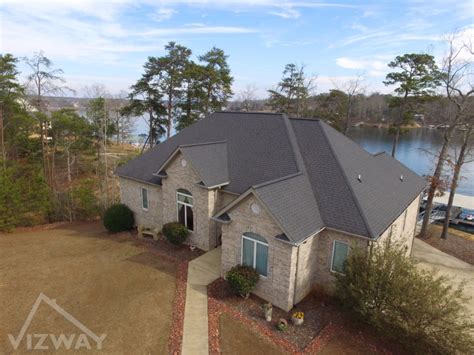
(52, 341)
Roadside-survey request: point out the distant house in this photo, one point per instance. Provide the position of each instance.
(286, 196)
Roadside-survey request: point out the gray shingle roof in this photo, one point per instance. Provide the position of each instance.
(210, 161)
(303, 170)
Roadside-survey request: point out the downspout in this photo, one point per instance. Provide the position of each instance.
(296, 273)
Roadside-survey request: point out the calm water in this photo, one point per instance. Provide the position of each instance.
(412, 151)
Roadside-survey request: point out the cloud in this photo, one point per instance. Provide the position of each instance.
(162, 14)
(373, 67)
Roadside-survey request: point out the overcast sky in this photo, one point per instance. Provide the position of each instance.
(107, 42)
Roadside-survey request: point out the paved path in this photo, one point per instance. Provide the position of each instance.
(201, 272)
(454, 268)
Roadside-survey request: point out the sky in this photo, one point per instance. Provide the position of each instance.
(107, 42)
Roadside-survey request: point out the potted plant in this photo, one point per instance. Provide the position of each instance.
(297, 318)
(267, 311)
(282, 325)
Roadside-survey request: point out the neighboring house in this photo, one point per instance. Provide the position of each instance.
(287, 196)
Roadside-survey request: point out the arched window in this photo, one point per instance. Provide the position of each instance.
(255, 252)
(184, 200)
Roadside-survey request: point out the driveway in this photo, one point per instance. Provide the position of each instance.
(105, 282)
(454, 268)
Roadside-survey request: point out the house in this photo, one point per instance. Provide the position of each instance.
(287, 196)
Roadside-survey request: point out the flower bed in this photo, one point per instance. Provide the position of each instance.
(323, 322)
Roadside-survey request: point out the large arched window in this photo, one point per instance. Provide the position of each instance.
(184, 200)
(255, 252)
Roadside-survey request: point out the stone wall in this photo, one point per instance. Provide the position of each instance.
(402, 229)
(130, 194)
(278, 286)
(324, 277)
(204, 234)
(306, 267)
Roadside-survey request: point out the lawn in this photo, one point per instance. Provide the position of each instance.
(112, 286)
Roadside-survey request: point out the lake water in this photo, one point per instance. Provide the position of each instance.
(413, 151)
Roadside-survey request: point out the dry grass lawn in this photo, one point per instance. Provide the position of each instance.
(236, 339)
(112, 287)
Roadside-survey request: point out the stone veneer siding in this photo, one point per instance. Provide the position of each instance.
(401, 235)
(278, 286)
(204, 234)
(130, 194)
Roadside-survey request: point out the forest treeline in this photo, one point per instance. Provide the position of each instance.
(57, 163)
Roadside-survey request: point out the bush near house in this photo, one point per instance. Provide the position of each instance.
(242, 279)
(386, 289)
(175, 233)
(118, 218)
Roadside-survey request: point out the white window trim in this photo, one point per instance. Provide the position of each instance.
(254, 253)
(147, 198)
(332, 255)
(178, 202)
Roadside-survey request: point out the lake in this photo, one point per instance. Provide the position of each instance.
(413, 149)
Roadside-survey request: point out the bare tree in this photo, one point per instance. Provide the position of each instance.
(248, 96)
(352, 88)
(459, 161)
(44, 81)
(456, 73)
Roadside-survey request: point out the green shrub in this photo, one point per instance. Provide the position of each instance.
(242, 280)
(118, 218)
(387, 290)
(175, 233)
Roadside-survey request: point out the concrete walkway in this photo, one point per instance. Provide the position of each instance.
(454, 268)
(201, 272)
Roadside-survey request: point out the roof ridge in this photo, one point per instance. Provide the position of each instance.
(274, 181)
(359, 207)
(252, 112)
(198, 144)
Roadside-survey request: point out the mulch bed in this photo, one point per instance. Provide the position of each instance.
(458, 247)
(323, 321)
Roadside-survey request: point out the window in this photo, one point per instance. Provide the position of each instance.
(340, 250)
(184, 200)
(255, 252)
(144, 193)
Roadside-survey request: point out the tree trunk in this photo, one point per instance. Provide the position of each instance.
(395, 141)
(169, 123)
(435, 180)
(68, 156)
(2, 141)
(454, 182)
(348, 114)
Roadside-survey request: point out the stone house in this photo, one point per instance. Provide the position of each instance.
(286, 196)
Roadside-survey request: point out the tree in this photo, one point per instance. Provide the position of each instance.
(102, 128)
(147, 99)
(248, 96)
(217, 81)
(454, 75)
(44, 81)
(292, 91)
(72, 134)
(386, 289)
(11, 92)
(417, 76)
(352, 88)
(166, 74)
(460, 160)
(195, 95)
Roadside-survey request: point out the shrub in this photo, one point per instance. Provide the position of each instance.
(388, 291)
(242, 280)
(118, 218)
(175, 233)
